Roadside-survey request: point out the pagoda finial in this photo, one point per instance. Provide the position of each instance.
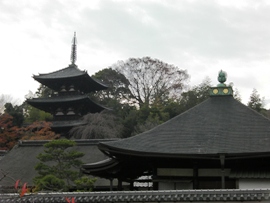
(222, 77)
(73, 56)
(221, 89)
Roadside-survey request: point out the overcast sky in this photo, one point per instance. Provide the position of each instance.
(201, 37)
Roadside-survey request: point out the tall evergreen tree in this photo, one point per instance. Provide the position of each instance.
(16, 112)
(256, 102)
(59, 166)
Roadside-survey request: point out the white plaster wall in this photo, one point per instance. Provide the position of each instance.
(254, 183)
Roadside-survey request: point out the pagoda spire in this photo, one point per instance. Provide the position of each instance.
(73, 56)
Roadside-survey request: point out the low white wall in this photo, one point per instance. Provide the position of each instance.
(254, 183)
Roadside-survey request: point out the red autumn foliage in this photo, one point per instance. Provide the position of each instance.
(24, 190)
(17, 184)
(39, 130)
(10, 134)
(72, 200)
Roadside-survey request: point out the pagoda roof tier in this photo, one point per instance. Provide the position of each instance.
(219, 125)
(50, 104)
(70, 76)
(67, 124)
(64, 126)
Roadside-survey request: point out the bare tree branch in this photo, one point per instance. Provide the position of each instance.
(151, 79)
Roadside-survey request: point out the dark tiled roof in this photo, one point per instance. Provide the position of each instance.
(49, 103)
(72, 75)
(69, 123)
(58, 99)
(2, 153)
(221, 124)
(104, 164)
(20, 161)
(145, 196)
(107, 168)
(70, 71)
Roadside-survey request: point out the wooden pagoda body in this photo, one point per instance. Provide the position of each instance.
(218, 144)
(69, 100)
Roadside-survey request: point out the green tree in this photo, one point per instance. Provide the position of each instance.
(256, 102)
(16, 112)
(148, 118)
(5, 98)
(33, 114)
(236, 95)
(85, 184)
(173, 108)
(59, 166)
(43, 91)
(195, 96)
(117, 92)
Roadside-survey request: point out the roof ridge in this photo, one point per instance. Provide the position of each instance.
(78, 141)
(217, 125)
(63, 69)
(228, 195)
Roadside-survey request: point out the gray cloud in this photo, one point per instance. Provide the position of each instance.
(201, 36)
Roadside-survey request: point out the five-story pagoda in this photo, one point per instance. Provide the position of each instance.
(69, 100)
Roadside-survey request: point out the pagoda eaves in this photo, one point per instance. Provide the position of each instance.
(51, 104)
(70, 77)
